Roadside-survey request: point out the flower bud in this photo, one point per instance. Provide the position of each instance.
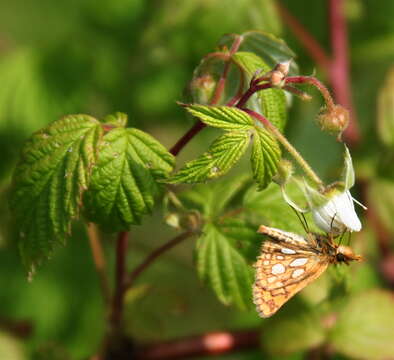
(334, 120)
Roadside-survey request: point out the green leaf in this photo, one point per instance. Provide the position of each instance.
(48, 182)
(291, 330)
(265, 157)
(271, 102)
(365, 326)
(221, 156)
(224, 117)
(124, 180)
(221, 265)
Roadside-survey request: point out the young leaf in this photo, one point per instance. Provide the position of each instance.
(271, 102)
(124, 183)
(222, 266)
(265, 157)
(224, 117)
(221, 156)
(365, 326)
(48, 183)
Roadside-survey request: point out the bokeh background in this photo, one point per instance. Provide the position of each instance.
(136, 56)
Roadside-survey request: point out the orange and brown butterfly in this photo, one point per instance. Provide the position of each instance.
(289, 262)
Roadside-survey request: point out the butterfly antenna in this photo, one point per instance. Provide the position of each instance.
(302, 220)
(332, 222)
(306, 223)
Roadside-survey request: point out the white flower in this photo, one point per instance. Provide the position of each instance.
(337, 215)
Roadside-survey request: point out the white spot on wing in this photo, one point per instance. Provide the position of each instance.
(278, 269)
(280, 257)
(266, 262)
(297, 273)
(287, 251)
(271, 279)
(299, 262)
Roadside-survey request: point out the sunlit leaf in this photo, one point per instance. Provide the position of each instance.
(265, 157)
(221, 156)
(48, 182)
(124, 180)
(223, 117)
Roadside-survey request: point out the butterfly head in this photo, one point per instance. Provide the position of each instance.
(345, 254)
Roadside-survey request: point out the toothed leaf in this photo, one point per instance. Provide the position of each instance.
(224, 117)
(48, 182)
(124, 180)
(265, 157)
(222, 266)
(221, 156)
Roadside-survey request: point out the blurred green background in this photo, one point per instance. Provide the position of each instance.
(136, 56)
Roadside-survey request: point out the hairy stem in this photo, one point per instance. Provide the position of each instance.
(285, 143)
(317, 84)
(99, 261)
(154, 255)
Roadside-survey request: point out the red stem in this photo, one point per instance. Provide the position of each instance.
(316, 52)
(201, 345)
(339, 69)
(250, 92)
(313, 81)
(120, 277)
(197, 127)
(154, 255)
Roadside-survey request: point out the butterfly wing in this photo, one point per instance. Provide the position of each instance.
(284, 267)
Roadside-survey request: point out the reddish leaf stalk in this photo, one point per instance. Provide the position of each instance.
(197, 127)
(154, 255)
(316, 83)
(253, 89)
(202, 345)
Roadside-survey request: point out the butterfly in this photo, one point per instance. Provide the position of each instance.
(288, 262)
